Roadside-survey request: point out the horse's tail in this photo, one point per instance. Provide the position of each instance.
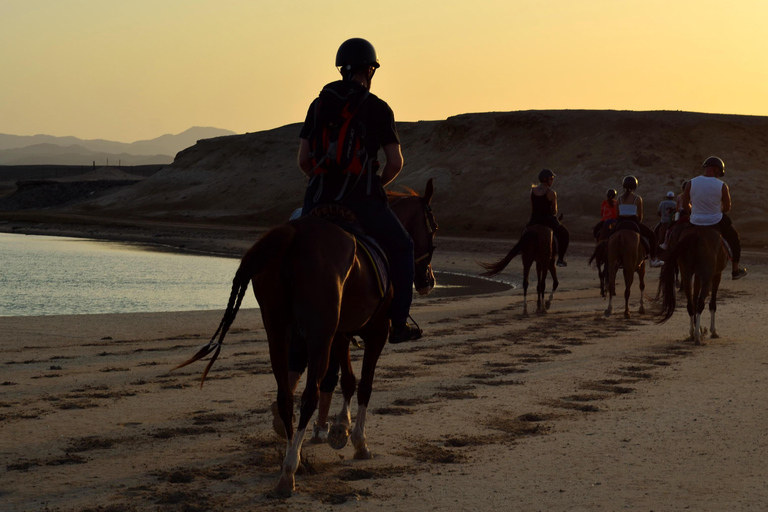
(272, 246)
(667, 289)
(494, 268)
(600, 249)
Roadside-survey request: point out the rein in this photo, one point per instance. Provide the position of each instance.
(431, 228)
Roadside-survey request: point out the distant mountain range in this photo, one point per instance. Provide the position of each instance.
(50, 150)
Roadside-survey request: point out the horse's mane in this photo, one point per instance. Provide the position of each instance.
(403, 192)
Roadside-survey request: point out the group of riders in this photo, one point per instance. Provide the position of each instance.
(703, 201)
(362, 124)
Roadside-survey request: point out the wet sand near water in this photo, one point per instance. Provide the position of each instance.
(490, 410)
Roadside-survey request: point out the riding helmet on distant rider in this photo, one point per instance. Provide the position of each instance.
(611, 194)
(629, 183)
(716, 162)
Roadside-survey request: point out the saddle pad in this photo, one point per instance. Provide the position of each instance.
(727, 247)
(378, 259)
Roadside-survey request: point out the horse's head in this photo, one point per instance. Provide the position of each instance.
(415, 213)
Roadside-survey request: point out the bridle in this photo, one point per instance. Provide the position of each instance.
(431, 223)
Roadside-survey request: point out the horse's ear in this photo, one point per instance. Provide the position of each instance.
(429, 191)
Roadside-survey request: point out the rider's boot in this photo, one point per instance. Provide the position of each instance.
(404, 332)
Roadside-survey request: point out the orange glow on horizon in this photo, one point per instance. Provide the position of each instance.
(140, 69)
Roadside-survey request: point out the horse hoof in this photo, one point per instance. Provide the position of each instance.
(285, 487)
(363, 454)
(714, 335)
(608, 312)
(641, 310)
(338, 436)
(547, 304)
(627, 315)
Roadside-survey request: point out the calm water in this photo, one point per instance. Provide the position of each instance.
(42, 275)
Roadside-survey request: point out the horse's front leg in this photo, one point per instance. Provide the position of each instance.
(541, 287)
(375, 339)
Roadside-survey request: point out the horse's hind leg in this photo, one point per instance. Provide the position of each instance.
(641, 278)
(541, 287)
(629, 276)
(375, 337)
(713, 305)
(318, 351)
(339, 431)
(555, 282)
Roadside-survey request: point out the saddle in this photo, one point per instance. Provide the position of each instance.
(346, 219)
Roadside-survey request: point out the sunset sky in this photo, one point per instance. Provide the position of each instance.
(138, 69)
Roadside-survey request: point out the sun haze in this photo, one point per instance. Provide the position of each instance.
(135, 70)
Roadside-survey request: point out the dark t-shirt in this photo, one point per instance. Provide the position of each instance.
(380, 124)
(380, 131)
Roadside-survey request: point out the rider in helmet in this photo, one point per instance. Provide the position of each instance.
(709, 200)
(609, 210)
(544, 212)
(631, 208)
(357, 61)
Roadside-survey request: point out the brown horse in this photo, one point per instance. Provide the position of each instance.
(625, 249)
(536, 246)
(600, 255)
(312, 280)
(701, 258)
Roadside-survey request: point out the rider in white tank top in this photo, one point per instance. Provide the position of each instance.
(706, 194)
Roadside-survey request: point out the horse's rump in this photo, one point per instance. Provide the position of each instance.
(697, 251)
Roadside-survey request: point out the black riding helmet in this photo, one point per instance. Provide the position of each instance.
(715, 161)
(611, 194)
(354, 55)
(545, 174)
(629, 183)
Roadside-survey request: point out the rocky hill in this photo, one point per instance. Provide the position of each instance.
(483, 166)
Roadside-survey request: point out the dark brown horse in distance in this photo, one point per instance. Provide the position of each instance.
(625, 250)
(536, 246)
(312, 280)
(701, 257)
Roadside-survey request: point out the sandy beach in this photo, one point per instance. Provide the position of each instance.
(490, 410)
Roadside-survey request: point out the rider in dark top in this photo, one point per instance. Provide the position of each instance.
(544, 212)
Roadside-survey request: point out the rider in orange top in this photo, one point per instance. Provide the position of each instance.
(609, 210)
